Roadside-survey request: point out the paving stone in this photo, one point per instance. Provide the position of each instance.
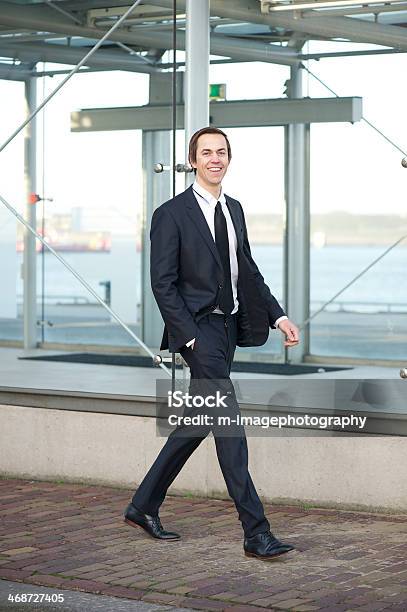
(201, 604)
(248, 598)
(290, 604)
(241, 609)
(18, 551)
(208, 591)
(180, 590)
(157, 597)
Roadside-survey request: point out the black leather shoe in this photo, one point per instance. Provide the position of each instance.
(151, 524)
(265, 546)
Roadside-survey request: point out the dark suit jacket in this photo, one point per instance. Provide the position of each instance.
(186, 274)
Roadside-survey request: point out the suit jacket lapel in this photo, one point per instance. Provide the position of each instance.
(197, 216)
(236, 222)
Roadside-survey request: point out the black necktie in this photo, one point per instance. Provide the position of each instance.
(226, 302)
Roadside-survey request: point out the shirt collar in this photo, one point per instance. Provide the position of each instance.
(208, 197)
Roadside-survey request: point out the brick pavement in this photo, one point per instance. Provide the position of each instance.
(72, 536)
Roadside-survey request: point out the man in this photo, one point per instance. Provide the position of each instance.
(212, 297)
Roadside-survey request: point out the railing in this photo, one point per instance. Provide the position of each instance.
(62, 300)
(360, 307)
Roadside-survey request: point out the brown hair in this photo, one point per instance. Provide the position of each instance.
(193, 143)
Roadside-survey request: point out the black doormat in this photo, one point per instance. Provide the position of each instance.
(140, 361)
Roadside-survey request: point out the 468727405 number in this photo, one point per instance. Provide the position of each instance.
(35, 597)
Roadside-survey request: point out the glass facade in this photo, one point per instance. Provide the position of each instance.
(94, 187)
(357, 214)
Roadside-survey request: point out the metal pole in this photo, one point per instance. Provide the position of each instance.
(297, 240)
(196, 71)
(157, 189)
(174, 135)
(73, 71)
(82, 281)
(29, 270)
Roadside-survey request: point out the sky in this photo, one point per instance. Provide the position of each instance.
(353, 169)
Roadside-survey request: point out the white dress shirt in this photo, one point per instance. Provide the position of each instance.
(207, 203)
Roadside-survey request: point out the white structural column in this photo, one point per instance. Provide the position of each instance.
(156, 146)
(196, 70)
(157, 189)
(297, 236)
(29, 257)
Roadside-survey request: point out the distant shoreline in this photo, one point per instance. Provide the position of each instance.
(253, 241)
(333, 229)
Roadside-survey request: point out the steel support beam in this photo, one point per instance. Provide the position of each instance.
(353, 29)
(297, 233)
(196, 72)
(29, 255)
(8, 72)
(85, 5)
(38, 17)
(237, 113)
(60, 54)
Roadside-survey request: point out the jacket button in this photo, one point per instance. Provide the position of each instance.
(220, 286)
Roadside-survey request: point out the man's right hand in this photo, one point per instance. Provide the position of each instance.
(291, 332)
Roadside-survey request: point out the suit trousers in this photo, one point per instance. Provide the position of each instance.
(209, 360)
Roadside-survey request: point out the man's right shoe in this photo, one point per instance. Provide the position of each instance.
(150, 524)
(265, 546)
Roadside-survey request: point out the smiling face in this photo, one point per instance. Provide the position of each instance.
(211, 161)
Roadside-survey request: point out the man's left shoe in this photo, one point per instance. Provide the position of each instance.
(150, 524)
(265, 546)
